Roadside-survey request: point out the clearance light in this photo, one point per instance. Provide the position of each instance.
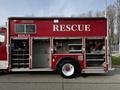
(56, 21)
(53, 60)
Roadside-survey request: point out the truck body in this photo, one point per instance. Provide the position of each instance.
(68, 45)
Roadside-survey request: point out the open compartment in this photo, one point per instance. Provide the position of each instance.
(67, 45)
(95, 52)
(40, 53)
(19, 53)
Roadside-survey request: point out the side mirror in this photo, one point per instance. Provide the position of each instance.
(2, 38)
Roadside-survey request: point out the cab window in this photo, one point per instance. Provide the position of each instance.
(20, 28)
(25, 28)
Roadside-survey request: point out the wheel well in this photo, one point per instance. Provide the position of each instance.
(68, 58)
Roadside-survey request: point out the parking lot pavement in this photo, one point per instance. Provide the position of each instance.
(53, 81)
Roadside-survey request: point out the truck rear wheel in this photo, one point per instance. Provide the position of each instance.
(4, 71)
(68, 69)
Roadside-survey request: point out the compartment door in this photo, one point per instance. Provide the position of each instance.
(40, 53)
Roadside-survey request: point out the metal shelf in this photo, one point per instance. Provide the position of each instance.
(75, 44)
(94, 53)
(20, 64)
(19, 54)
(21, 59)
(20, 50)
(94, 59)
(75, 51)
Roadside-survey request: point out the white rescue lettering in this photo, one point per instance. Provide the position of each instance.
(73, 28)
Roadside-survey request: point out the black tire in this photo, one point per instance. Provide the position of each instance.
(68, 73)
(4, 71)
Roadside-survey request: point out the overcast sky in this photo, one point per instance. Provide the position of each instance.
(45, 8)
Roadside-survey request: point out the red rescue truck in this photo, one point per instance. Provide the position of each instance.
(69, 45)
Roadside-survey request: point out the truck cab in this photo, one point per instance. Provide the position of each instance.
(3, 49)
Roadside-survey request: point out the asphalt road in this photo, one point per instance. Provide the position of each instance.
(53, 81)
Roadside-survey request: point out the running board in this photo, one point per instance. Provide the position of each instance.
(93, 70)
(27, 69)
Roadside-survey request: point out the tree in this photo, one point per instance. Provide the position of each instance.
(90, 14)
(118, 21)
(118, 16)
(99, 13)
(87, 14)
(111, 10)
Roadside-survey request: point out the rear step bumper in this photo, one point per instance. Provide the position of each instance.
(94, 70)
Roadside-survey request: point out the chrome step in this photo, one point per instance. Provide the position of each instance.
(93, 70)
(28, 69)
(95, 67)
